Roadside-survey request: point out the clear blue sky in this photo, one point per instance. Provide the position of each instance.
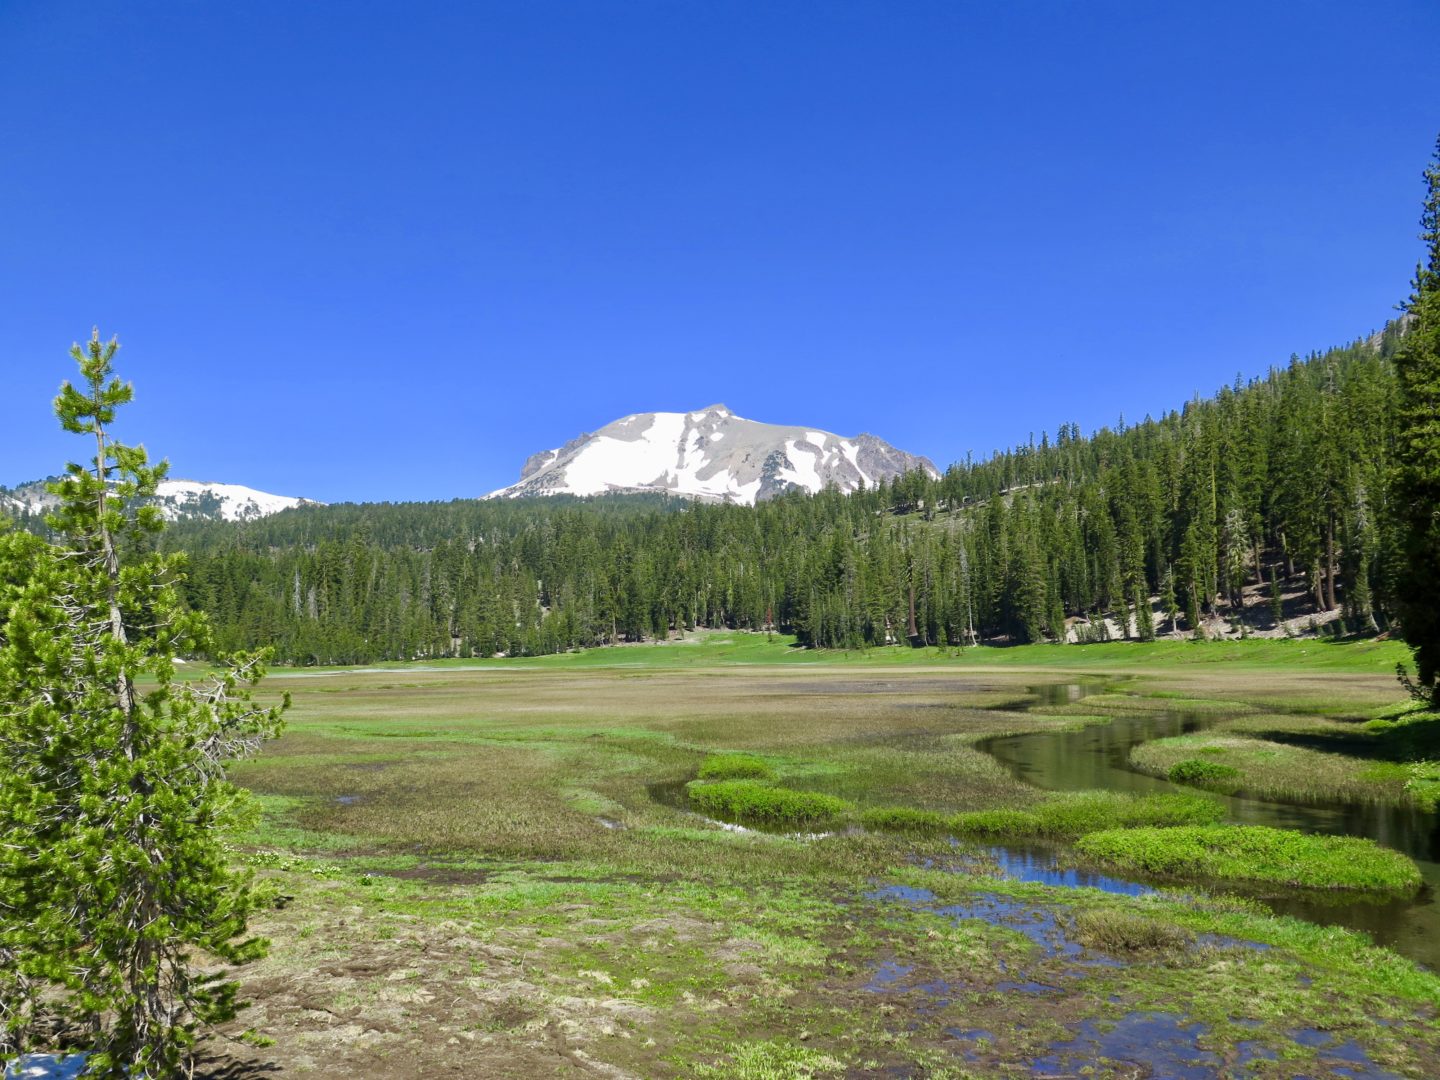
(371, 250)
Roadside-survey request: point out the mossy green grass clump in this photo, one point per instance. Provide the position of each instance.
(1422, 783)
(1201, 773)
(1091, 811)
(1256, 853)
(1060, 818)
(735, 767)
(758, 803)
(1065, 817)
(905, 819)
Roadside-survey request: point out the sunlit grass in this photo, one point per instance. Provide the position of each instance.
(759, 803)
(1226, 759)
(533, 813)
(1256, 853)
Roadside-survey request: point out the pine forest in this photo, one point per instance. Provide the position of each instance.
(1262, 509)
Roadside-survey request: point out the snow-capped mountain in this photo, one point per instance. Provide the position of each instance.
(177, 499)
(710, 454)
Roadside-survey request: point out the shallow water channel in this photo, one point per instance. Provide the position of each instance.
(1098, 757)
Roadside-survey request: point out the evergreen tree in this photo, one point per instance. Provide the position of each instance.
(1416, 485)
(1290, 473)
(116, 890)
(1168, 600)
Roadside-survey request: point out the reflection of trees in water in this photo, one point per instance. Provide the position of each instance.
(1098, 758)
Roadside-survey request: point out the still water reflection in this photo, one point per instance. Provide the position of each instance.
(1098, 757)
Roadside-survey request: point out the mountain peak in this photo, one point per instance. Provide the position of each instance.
(710, 454)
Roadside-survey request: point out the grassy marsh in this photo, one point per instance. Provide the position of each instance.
(1306, 757)
(1065, 816)
(478, 881)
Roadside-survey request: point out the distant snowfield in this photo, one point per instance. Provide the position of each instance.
(682, 454)
(237, 502)
(176, 499)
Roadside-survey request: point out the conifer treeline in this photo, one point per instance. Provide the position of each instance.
(1281, 480)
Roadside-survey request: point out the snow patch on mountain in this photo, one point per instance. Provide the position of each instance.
(236, 502)
(680, 454)
(177, 499)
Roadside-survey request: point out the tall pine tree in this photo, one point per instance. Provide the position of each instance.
(116, 889)
(1416, 483)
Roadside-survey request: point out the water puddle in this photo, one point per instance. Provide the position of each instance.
(1345, 1058)
(1041, 865)
(971, 1035)
(1250, 1053)
(1164, 1042)
(1168, 1044)
(1040, 925)
(1026, 987)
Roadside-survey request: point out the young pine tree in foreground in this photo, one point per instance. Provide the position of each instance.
(116, 888)
(1415, 489)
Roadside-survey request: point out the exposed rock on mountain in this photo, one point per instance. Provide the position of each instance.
(709, 454)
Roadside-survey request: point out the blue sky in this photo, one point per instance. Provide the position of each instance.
(387, 250)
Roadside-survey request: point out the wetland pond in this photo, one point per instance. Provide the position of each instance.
(1098, 757)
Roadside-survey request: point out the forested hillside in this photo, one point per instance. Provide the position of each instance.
(1270, 486)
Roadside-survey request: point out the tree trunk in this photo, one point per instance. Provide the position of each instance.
(1330, 564)
(112, 576)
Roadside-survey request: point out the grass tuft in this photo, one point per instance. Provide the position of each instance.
(735, 767)
(771, 1061)
(1062, 817)
(1202, 773)
(761, 804)
(1257, 853)
(1115, 930)
(1090, 811)
(905, 819)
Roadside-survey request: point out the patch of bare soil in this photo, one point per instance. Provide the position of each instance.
(362, 995)
(438, 875)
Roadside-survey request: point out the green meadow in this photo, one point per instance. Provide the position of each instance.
(729, 857)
